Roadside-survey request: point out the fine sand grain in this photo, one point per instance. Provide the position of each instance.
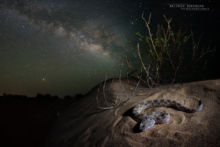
(103, 117)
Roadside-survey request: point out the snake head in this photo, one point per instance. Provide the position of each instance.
(146, 124)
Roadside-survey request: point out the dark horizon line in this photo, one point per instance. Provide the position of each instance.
(40, 95)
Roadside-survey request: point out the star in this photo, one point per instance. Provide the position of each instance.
(43, 79)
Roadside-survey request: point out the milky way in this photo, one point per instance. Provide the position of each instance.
(69, 46)
(61, 48)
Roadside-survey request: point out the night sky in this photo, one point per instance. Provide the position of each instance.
(69, 46)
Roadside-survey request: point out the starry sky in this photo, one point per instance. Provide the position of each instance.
(67, 47)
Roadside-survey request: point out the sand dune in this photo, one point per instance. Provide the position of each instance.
(102, 118)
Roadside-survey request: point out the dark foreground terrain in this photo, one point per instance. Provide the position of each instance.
(102, 117)
(27, 121)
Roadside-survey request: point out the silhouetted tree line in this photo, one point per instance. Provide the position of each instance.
(42, 97)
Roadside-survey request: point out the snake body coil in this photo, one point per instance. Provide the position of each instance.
(149, 119)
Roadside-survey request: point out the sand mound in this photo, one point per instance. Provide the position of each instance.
(103, 118)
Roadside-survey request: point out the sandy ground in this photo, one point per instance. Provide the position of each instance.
(102, 118)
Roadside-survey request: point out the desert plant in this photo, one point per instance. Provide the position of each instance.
(168, 56)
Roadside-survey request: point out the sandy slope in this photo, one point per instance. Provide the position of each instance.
(90, 123)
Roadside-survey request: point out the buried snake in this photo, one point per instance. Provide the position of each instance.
(148, 120)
